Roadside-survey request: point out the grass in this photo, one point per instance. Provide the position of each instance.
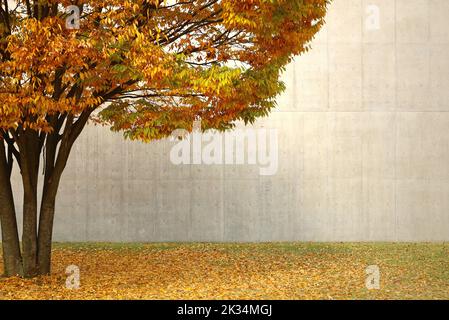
(240, 271)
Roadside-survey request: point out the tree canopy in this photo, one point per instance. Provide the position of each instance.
(148, 67)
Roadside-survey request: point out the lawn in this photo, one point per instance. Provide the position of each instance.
(240, 271)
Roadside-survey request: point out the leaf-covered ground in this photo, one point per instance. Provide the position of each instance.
(240, 271)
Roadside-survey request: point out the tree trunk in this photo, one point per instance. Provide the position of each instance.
(53, 172)
(29, 236)
(45, 236)
(29, 146)
(12, 258)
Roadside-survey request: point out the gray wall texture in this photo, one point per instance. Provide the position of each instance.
(363, 150)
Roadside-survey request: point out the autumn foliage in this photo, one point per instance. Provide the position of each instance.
(160, 65)
(270, 271)
(144, 67)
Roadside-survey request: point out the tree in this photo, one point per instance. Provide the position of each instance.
(143, 67)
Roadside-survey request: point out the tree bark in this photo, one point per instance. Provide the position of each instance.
(12, 258)
(45, 235)
(29, 146)
(47, 213)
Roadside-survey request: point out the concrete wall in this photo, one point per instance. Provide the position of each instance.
(363, 150)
